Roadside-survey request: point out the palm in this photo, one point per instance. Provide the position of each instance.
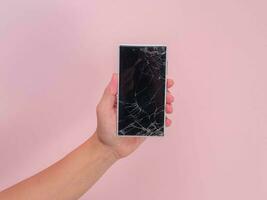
(107, 133)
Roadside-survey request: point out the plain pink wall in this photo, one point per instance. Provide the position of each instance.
(57, 56)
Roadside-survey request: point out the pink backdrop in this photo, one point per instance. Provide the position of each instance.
(56, 57)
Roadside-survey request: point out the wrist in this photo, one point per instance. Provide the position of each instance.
(106, 150)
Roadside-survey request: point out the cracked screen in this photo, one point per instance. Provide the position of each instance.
(141, 100)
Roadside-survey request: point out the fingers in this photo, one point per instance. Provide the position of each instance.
(169, 101)
(169, 108)
(169, 97)
(168, 122)
(170, 83)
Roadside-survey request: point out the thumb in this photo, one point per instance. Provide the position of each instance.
(109, 96)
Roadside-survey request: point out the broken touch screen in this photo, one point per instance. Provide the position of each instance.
(142, 90)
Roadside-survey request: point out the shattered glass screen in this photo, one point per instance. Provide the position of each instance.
(141, 90)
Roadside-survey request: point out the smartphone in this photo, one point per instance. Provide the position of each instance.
(142, 90)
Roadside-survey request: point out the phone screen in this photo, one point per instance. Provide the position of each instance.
(142, 87)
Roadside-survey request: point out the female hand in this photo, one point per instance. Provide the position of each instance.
(106, 120)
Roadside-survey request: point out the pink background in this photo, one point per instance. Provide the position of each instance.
(57, 56)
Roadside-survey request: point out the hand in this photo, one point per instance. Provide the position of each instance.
(106, 120)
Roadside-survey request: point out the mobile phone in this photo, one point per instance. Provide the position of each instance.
(142, 90)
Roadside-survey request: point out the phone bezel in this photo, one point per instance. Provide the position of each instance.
(165, 91)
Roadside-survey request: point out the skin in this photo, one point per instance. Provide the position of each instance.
(72, 176)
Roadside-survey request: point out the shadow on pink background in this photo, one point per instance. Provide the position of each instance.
(57, 56)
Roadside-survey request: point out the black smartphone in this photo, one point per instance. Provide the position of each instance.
(142, 90)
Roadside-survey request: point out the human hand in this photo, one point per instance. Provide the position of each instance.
(106, 120)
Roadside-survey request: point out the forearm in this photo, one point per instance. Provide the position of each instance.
(67, 179)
